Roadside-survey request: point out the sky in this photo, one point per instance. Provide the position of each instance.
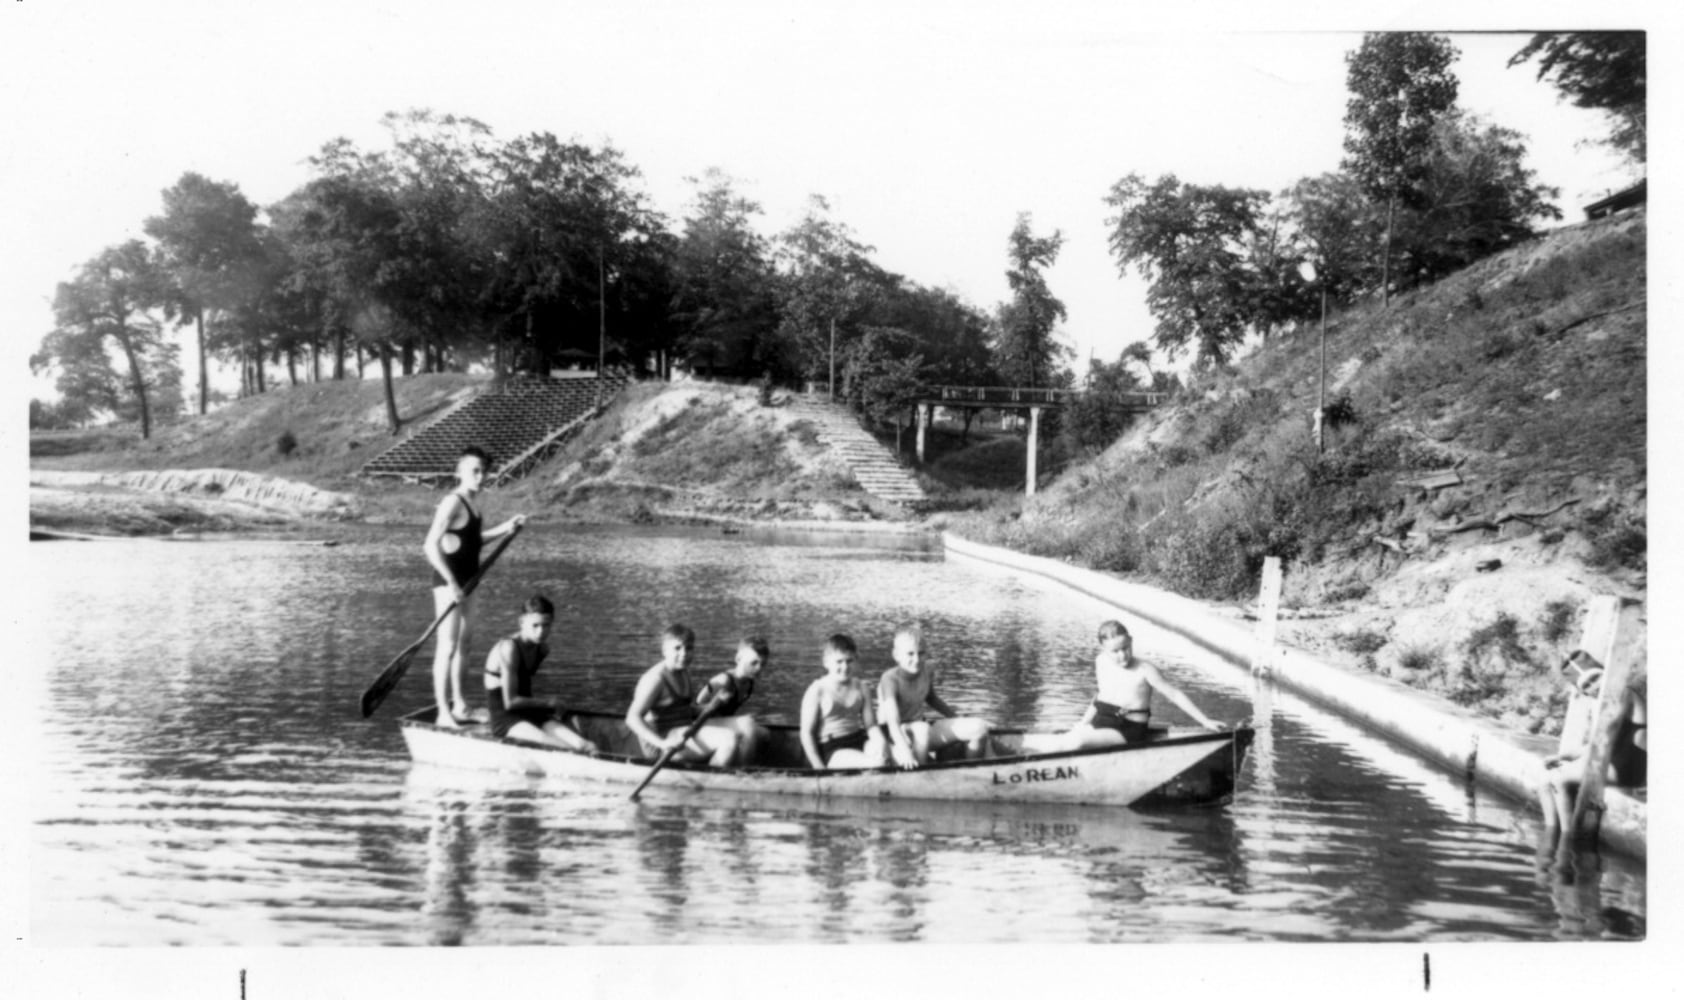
(928, 126)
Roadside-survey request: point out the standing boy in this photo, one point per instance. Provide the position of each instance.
(662, 708)
(903, 693)
(452, 547)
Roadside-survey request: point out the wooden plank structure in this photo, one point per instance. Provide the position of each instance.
(1611, 625)
(997, 397)
(1268, 616)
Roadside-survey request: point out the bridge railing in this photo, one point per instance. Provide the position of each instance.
(998, 395)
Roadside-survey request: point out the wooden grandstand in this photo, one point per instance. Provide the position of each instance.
(518, 424)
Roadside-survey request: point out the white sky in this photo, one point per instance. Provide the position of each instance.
(928, 126)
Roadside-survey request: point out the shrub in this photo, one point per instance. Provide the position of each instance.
(1203, 561)
(1353, 591)
(1557, 620)
(1363, 641)
(1339, 412)
(1418, 659)
(1618, 540)
(286, 444)
(1500, 636)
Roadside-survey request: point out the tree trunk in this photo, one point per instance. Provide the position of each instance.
(359, 362)
(257, 369)
(1386, 254)
(965, 435)
(204, 380)
(391, 397)
(139, 382)
(407, 355)
(338, 354)
(292, 367)
(315, 362)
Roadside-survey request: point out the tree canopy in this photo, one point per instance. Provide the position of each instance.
(1602, 70)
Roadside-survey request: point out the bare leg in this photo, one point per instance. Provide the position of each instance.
(444, 657)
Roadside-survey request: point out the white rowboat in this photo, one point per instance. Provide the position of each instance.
(1176, 766)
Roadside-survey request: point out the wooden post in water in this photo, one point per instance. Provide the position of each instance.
(1610, 633)
(1034, 443)
(1268, 616)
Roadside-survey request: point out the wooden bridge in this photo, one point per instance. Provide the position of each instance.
(996, 397)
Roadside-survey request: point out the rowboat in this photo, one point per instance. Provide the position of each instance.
(1175, 766)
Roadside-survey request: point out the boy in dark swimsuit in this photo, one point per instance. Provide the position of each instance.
(509, 668)
(733, 688)
(662, 708)
(452, 547)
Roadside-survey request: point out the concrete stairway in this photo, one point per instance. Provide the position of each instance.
(872, 464)
(512, 423)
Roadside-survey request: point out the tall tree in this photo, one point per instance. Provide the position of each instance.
(1190, 242)
(1336, 227)
(824, 273)
(723, 303)
(107, 302)
(208, 235)
(1400, 85)
(1026, 350)
(1604, 70)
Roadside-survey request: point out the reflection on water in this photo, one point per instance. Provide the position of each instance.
(205, 777)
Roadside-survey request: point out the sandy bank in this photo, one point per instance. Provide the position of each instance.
(176, 501)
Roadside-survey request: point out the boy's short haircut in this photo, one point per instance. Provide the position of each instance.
(1112, 629)
(840, 643)
(538, 604)
(758, 644)
(913, 632)
(475, 451)
(680, 632)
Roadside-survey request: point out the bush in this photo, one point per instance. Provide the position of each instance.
(1557, 620)
(1361, 641)
(1418, 659)
(1203, 561)
(1501, 636)
(1618, 539)
(286, 444)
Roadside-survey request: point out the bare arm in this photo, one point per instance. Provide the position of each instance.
(642, 700)
(810, 726)
(934, 701)
(1173, 693)
(505, 528)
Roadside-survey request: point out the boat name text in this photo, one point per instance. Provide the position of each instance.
(1041, 774)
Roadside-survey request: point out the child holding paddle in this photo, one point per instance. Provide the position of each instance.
(509, 669)
(663, 709)
(453, 548)
(732, 689)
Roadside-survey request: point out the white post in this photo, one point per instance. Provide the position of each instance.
(923, 416)
(1034, 440)
(1268, 616)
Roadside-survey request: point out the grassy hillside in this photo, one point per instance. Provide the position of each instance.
(1524, 375)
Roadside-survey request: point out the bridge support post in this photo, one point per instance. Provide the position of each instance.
(1034, 445)
(922, 414)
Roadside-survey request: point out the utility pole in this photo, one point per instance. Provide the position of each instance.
(833, 359)
(1307, 270)
(601, 323)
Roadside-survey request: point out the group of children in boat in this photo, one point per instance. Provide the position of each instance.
(842, 724)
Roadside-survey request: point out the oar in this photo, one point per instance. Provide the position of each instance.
(666, 755)
(395, 670)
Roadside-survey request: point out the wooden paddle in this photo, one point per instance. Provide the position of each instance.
(395, 670)
(666, 755)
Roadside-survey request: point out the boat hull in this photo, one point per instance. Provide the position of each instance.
(1177, 767)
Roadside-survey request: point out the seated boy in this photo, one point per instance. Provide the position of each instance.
(509, 668)
(663, 708)
(1122, 708)
(903, 693)
(732, 688)
(838, 729)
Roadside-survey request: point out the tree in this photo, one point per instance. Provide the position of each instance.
(1401, 85)
(1026, 351)
(208, 237)
(1190, 243)
(1336, 228)
(722, 303)
(1479, 199)
(107, 303)
(1100, 415)
(824, 273)
(1603, 70)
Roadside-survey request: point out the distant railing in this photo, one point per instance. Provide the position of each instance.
(1009, 396)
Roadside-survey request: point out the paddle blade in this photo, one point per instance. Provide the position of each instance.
(387, 680)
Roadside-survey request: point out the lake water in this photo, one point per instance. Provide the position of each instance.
(201, 775)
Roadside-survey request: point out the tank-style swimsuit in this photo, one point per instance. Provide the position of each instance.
(464, 562)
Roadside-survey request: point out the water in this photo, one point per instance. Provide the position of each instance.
(203, 777)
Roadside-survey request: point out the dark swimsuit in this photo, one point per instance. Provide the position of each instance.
(735, 690)
(464, 562)
(525, 661)
(855, 740)
(1132, 723)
